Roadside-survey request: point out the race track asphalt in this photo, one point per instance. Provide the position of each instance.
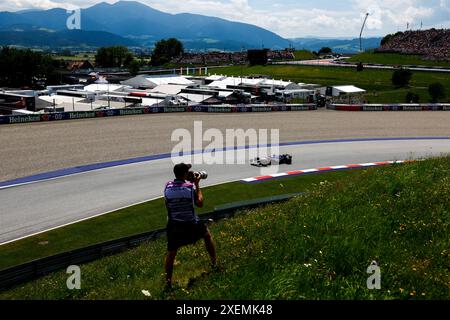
(35, 207)
(28, 149)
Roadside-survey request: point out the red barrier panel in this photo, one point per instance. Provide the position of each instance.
(349, 108)
(139, 94)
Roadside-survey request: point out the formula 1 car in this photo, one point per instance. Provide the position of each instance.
(268, 161)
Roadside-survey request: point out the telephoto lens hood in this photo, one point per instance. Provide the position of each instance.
(203, 175)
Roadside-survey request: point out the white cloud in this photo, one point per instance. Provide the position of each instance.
(390, 14)
(26, 4)
(288, 23)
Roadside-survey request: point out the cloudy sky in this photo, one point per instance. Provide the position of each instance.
(294, 18)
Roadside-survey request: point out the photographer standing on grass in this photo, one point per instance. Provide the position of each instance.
(184, 226)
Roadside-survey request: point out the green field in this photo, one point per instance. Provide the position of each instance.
(300, 55)
(316, 246)
(304, 55)
(78, 57)
(396, 59)
(377, 82)
(143, 218)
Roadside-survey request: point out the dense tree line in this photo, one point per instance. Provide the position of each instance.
(166, 50)
(25, 68)
(325, 51)
(437, 92)
(114, 57)
(401, 78)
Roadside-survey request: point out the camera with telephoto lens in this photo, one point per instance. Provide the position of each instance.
(192, 175)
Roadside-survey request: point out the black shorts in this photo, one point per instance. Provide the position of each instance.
(180, 234)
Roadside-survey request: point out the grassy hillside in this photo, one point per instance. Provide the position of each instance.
(145, 217)
(304, 55)
(378, 83)
(396, 59)
(314, 247)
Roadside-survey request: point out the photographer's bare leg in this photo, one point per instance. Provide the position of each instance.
(170, 260)
(211, 248)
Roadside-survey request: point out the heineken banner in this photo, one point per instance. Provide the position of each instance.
(390, 107)
(10, 119)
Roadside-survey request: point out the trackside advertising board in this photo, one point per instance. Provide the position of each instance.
(12, 119)
(390, 107)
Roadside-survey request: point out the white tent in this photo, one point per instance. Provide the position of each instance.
(228, 81)
(151, 82)
(170, 89)
(287, 85)
(225, 94)
(215, 78)
(251, 82)
(223, 82)
(104, 87)
(199, 98)
(101, 80)
(338, 90)
(149, 102)
(57, 99)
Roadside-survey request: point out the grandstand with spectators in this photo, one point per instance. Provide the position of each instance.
(216, 58)
(432, 44)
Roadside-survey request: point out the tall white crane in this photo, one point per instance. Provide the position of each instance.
(362, 29)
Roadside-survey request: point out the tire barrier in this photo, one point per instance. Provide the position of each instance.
(12, 119)
(29, 271)
(390, 107)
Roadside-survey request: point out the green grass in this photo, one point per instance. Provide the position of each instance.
(79, 57)
(313, 247)
(143, 218)
(377, 82)
(304, 55)
(396, 59)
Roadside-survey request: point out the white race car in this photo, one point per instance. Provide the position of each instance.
(268, 161)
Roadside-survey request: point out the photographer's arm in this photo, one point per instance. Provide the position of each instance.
(199, 195)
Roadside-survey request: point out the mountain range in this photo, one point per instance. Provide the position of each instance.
(338, 45)
(132, 23)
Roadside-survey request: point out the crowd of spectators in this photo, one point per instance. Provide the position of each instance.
(281, 55)
(433, 44)
(213, 58)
